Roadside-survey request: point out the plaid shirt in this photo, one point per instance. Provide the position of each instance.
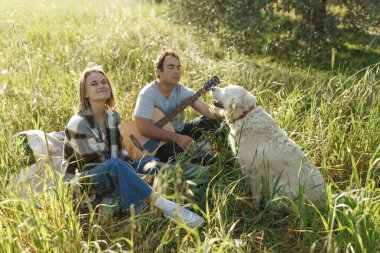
(86, 145)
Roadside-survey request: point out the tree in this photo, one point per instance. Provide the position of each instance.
(315, 25)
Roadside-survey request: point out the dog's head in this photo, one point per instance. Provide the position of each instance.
(233, 100)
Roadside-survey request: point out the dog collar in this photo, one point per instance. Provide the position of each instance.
(245, 113)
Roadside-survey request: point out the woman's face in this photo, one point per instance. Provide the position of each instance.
(97, 87)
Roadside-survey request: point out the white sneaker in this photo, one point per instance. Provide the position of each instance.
(190, 218)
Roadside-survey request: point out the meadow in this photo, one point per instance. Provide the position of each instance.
(333, 114)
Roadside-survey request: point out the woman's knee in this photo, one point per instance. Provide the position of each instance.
(149, 165)
(149, 159)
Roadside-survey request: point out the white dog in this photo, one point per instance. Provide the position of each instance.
(273, 164)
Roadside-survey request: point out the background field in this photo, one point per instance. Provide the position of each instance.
(329, 106)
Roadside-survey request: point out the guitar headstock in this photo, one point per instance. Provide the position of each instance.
(214, 81)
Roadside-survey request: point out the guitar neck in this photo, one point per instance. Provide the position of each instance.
(168, 118)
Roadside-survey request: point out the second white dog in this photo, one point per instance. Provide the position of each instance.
(273, 163)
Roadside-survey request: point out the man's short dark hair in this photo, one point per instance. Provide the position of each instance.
(161, 59)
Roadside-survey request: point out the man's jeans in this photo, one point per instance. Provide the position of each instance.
(116, 175)
(195, 129)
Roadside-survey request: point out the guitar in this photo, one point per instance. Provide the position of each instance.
(138, 145)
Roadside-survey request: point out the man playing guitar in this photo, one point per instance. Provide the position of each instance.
(166, 93)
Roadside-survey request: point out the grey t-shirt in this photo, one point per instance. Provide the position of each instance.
(150, 97)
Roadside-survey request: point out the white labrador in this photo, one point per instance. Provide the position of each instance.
(273, 163)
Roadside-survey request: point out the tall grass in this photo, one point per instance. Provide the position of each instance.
(332, 115)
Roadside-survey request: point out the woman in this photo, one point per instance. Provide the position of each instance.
(93, 147)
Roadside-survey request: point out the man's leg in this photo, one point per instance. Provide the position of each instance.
(196, 127)
(168, 151)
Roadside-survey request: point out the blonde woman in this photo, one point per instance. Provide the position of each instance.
(93, 146)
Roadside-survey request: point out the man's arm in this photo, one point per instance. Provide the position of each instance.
(148, 129)
(203, 109)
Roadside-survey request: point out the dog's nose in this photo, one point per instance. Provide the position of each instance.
(213, 88)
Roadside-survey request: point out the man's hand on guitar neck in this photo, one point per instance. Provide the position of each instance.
(183, 141)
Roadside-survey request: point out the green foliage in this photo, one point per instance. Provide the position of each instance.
(235, 22)
(303, 31)
(362, 15)
(331, 114)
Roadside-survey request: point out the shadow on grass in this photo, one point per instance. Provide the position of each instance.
(351, 52)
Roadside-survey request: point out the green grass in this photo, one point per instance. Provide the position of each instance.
(332, 115)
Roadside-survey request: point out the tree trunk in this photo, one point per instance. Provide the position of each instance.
(313, 15)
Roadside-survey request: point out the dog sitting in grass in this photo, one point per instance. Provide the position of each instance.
(274, 165)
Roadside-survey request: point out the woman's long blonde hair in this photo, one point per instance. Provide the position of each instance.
(83, 101)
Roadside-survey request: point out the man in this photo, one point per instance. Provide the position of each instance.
(166, 93)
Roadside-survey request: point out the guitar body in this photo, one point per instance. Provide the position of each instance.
(138, 145)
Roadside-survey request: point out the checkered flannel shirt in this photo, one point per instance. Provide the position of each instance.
(86, 145)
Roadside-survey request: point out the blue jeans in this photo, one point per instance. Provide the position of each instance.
(120, 176)
(139, 165)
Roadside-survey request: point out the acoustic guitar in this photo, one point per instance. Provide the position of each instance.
(138, 145)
